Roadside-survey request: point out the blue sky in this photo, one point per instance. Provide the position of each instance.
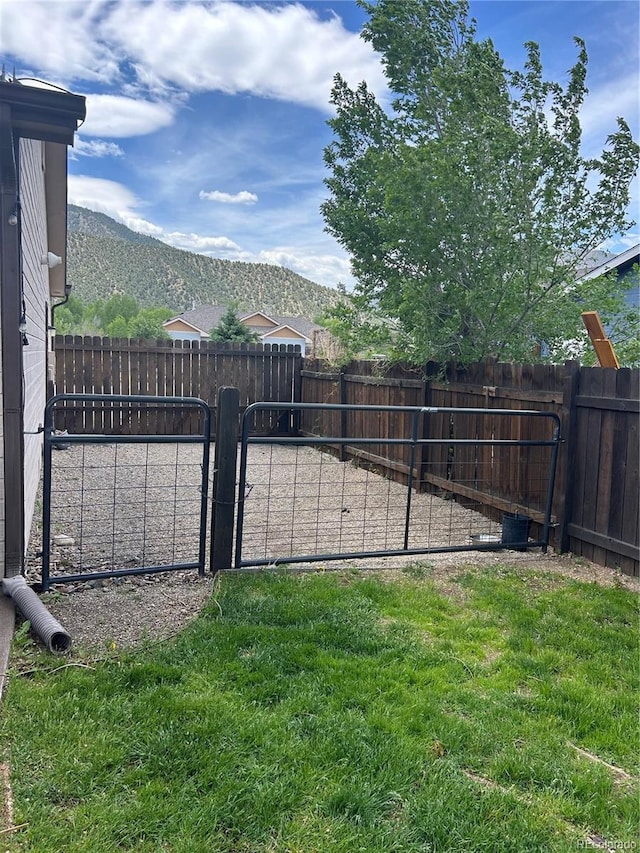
(206, 122)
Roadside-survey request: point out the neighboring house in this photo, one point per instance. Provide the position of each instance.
(36, 126)
(195, 325)
(623, 265)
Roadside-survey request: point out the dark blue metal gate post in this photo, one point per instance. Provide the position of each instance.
(224, 478)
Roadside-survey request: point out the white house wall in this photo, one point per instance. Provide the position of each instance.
(297, 342)
(36, 296)
(180, 335)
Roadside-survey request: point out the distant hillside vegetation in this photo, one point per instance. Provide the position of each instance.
(84, 221)
(105, 257)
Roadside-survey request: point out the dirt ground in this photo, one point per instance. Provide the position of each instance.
(122, 613)
(298, 501)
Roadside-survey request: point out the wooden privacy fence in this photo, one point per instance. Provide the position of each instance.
(595, 508)
(165, 368)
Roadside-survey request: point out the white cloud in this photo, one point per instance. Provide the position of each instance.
(111, 198)
(617, 245)
(201, 245)
(103, 196)
(283, 51)
(58, 39)
(604, 104)
(243, 197)
(115, 116)
(327, 269)
(143, 226)
(94, 148)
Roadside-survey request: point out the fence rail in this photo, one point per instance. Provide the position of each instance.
(595, 508)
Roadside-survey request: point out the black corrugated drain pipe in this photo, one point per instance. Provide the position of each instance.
(43, 624)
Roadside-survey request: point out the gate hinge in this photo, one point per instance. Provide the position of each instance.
(489, 390)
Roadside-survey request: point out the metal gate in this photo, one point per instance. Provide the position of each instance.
(125, 486)
(432, 480)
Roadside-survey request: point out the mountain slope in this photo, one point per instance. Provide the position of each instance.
(105, 257)
(84, 221)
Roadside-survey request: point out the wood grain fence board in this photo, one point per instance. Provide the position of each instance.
(619, 471)
(587, 467)
(592, 461)
(565, 479)
(195, 352)
(605, 465)
(163, 416)
(124, 424)
(275, 390)
(87, 420)
(579, 472)
(631, 518)
(118, 366)
(169, 383)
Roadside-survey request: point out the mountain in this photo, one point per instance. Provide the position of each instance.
(105, 257)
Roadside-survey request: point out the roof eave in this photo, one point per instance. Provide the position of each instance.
(626, 258)
(45, 114)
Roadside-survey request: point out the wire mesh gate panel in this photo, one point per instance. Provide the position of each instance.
(130, 502)
(326, 497)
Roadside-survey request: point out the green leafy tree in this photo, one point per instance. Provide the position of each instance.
(468, 207)
(118, 305)
(148, 323)
(231, 328)
(103, 318)
(69, 317)
(117, 328)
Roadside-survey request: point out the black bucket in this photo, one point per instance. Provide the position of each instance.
(515, 530)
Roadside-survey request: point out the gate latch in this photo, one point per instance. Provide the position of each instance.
(489, 390)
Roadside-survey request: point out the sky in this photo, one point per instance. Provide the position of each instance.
(206, 121)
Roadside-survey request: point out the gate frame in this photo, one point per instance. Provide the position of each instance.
(51, 439)
(414, 442)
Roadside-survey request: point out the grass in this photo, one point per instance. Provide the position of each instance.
(341, 713)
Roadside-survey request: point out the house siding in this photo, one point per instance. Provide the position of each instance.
(258, 322)
(180, 331)
(2, 542)
(286, 333)
(36, 297)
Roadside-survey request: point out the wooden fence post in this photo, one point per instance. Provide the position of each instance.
(224, 479)
(423, 454)
(567, 448)
(342, 392)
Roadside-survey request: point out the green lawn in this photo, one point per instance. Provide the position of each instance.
(340, 712)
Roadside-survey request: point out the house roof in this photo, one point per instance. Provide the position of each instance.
(47, 114)
(620, 262)
(207, 318)
(285, 327)
(181, 321)
(203, 319)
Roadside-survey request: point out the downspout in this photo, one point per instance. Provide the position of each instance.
(10, 308)
(43, 624)
(67, 294)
